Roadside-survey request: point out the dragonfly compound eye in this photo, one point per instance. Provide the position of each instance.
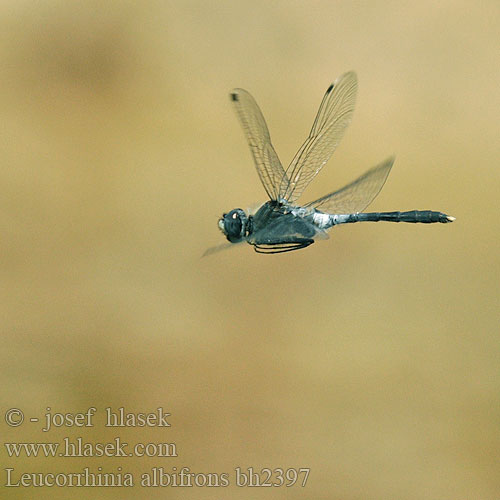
(234, 225)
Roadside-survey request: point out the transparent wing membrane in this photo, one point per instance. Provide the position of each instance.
(218, 248)
(357, 195)
(334, 115)
(268, 165)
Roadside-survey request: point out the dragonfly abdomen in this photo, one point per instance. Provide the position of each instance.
(413, 216)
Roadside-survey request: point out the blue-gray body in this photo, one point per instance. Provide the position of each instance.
(278, 226)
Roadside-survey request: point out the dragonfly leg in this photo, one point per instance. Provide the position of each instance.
(282, 247)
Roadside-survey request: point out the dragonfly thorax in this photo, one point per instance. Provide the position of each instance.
(235, 225)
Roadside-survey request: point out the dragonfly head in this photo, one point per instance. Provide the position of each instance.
(234, 225)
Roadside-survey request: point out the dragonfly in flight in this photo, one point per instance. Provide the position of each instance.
(280, 224)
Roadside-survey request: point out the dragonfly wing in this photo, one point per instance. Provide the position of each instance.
(357, 195)
(218, 248)
(268, 165)
(334, 115)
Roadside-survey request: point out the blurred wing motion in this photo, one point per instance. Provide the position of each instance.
(357, 195)
(334, 115)
(217, 248)
(268, 165)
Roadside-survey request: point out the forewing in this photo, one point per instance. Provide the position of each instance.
(357, 195)
(268, 165)
(334, 115)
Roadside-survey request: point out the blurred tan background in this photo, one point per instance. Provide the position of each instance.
(371, 358)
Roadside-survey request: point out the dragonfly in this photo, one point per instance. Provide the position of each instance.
(281, 225)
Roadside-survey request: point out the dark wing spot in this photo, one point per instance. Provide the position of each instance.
(330, 88)
(234, 97)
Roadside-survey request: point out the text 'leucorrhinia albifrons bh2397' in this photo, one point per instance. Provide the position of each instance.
(280, 225)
